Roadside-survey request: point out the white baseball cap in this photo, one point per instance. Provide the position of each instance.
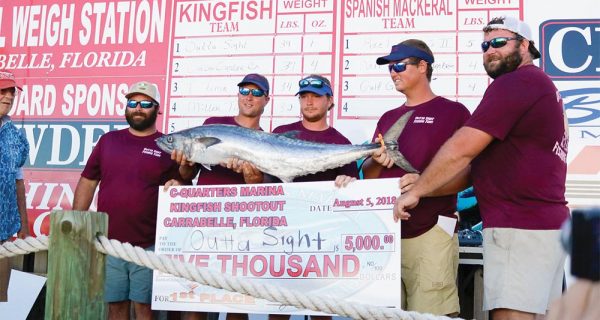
(146, 88)
(517, 26)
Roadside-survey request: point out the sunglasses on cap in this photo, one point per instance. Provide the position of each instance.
(145, 104)
(254, 92)
(400, 66)
(315, 83)
(496, 43)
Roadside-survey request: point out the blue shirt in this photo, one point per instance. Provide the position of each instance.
(13, 153)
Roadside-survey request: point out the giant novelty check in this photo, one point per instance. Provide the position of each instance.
(311, 237)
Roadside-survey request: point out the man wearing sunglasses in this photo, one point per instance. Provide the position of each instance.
(14, 149)
(514, 150)
(429, 253)
(131, 167)
(316, 100)
(252, 97)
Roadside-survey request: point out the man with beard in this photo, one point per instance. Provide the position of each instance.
(514, 149)
(131, 167)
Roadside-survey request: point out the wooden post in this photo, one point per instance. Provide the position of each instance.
(75, 287)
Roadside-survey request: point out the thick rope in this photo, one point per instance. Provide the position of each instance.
(23, 246)
(219, 280)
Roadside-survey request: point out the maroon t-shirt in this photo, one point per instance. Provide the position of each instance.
(130, 169)
(329, 135)
(218, 174)
(519, 178)
(431, 124)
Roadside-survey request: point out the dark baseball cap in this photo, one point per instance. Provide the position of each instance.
(402, 51)
(256, 79)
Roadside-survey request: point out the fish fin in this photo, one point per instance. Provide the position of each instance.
(396, 129)
(290, 134)
(206, 166)
(391, 142)
(208, 141)
(398, 158)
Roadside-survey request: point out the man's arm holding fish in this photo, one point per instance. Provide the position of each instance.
(249, 170)
(379, 159)
(187, 169)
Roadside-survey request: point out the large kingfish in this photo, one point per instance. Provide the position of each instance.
(280, 155)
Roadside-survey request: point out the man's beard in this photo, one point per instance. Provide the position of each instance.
(508, 64)
(141, 125)
(315, 117)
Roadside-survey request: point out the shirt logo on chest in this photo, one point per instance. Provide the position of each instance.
(428, 120)
(151, 152)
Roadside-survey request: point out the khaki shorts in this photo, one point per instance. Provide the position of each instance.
(429, 270)
(522, 269)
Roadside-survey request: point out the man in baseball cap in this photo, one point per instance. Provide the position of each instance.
(318, 85)
(127, 167)
(517, 27)
(7, 80)
(519, 129)
(15, 148)
(145, 88)
(256, 79)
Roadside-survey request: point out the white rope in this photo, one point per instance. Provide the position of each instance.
(219, 280)
(272, 293)
(23, 246)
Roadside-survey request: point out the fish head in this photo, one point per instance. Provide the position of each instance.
(194, 143)
(170, 142)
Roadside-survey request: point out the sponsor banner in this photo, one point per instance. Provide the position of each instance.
(103, 38)
(64, 144)
(49, 190)
(559, 60)
(311, 237)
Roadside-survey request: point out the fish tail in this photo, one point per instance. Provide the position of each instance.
(391, 145)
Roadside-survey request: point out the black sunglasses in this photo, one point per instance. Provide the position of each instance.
(496, 43)
(400, 66)
(255, 92)
(145, 104)
(315, 83)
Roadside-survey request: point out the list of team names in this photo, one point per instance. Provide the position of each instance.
(216, 43)
(452, 29)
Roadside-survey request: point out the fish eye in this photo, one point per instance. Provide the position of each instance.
(170, 139)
